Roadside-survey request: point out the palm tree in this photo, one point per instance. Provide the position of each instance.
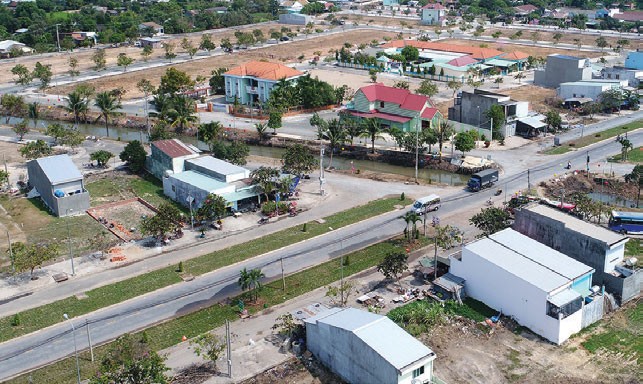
(34, 112)
(108, 104)
(443, 130)
(519, 76)
(162, 103)
(182, 112)
(261, 130)
(372, 130)
(77, 104)
(336, 135)
(498, 81)
(411, 217)
(251, 280)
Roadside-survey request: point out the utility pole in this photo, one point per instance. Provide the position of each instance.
(4, 159)
(57, 38)
(89, 340)
(227, 337)
(13, 268)
(321, 169)
(588, 164)
(417, 148)
(528, 181)
(283, 277)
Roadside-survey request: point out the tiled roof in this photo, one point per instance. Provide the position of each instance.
(264, 70)
(429, 113)
(476, 52)
(526, 8)
(433, 6)
(514, 55)
(403, 97)
(462, 61)
(380, 115)
(630, 16)
(173, 148)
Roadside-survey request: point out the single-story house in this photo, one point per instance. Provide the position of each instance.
(151, 28)
(151, 42)
(169, 155)
(633, 76)
(588, 88)
(590, 244)
(6, 46)
(59, 184)
(542, 289)
(366, 348)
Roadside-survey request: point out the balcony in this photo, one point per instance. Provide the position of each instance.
(252, 90)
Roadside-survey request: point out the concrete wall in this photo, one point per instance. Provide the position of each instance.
(593, 312)
(158, 162)
(78, 202)
(346, 355)
(619, 73)
(593, 91)
(583, 248)
(179, 191)
(515, 297)
(467, 111)
(294, 19)
(432, 16)
(560, 70)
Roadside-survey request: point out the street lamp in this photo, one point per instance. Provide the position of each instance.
(478, 107)
(71, 255)
(341, 267)
(73, 332)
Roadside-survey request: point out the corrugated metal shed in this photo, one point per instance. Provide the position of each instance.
(59, 169)
(200, 181)
(217, 165)
(174, 148)
(378, 332)
(577, 225)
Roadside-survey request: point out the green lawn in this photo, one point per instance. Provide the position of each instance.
(621, 334)
(591, 139)
(49, 314)
(170, 333)
(120, 186)
(633, 156)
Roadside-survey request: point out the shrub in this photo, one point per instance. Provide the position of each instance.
(15, 321)
(268, 208)
(402, 197)
(180, 269)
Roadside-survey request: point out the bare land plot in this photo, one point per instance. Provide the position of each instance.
(567, 37)
(278, 52)
(536, 96)
(529, 49)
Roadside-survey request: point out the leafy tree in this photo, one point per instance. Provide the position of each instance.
(553, 120)
(124, 61)
(42, 73)
(611, 99)
(169, 51)
(298, 160)
(73, 65)
(490, 220)
(519, 76)
(394, 265)
(464, 142)
(402, 84)
(410, 53)
(134, 155)
(72, 138)
(340, 294)
(108, 104)
(21, 129)
(373, 74)
(33, 111)
(226, 45)
(213, 207)
(160, 131)
(209, 346)
(251, 281)
(131, 361)
(23, 74)
(147, 52)
(35, 149)
(167, 220)
(265, 177)
(285, 324)
(443, 130)
(335, 133)
(28, 257)
(557, 36)
(175, 81)
(447, 236)
(236, 152)
(55, 130)
(601, 43)
(217, 81)
(454, 85)
(12, 105)
(591, 108)
(101, 157)
(206, 43)
(496, 113)
(99, 59)
(496, 34)
(274, 121)
(427, 88)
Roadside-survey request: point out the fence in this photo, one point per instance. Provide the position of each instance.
(261, 114)
(421, 74)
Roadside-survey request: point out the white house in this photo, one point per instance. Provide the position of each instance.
(591, 89)
(633, 76)
(253, 81)
(541, 288)
(433, 14)
(151, 28)
(7, 45)
(365, 348)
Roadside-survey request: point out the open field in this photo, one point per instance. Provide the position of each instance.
(279, 52)
(529, 49)
(536, 96)
(589, 40)
(591, 139)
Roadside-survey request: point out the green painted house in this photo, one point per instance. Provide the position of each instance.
(394, 108)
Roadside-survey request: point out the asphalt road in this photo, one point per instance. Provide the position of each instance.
(48, 345)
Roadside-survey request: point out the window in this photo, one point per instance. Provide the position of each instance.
(173, 188)
(618, 77)
(418, 372)
(381, 104)
(609, 75)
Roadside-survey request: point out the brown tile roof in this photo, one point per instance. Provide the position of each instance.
(264, 70)
(514, 55)
(476, 52)
(173, 148)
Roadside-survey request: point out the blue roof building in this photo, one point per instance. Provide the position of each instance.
(634, 60)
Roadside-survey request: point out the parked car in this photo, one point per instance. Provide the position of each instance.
(284, 38)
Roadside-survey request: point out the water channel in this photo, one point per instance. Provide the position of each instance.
(613, 200)
(128, 134)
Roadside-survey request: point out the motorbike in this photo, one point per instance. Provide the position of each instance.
(498, 192)
(263, 220)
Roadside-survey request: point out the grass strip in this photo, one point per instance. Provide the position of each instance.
(595, 138)
(170, 333)
(50, 314)
(634, 155)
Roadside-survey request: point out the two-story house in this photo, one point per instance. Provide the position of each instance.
(433, 14)
(394, 107)
(252, 82)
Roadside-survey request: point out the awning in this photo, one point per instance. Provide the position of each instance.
(581, 100)
(532, 122)
(500, 63)
(381, 115)
(564, 297)
(241, 194)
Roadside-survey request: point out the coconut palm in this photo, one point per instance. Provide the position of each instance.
(182, 113)
(411, 218)
(108, 104)
(34, 112)
(77, 104)
(261, 128)
(372, 130)
(335, 133)
(251, 280)
(352, 127)
(443, 130)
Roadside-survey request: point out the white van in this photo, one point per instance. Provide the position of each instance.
(426, 204)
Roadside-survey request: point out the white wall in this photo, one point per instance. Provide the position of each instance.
(407, 376)
(515, 297)
(614, 257)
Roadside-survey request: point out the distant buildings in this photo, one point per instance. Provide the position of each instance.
(151, 28)
(634, 60)
(632, 76)
(562, 69)
(394, 108)
(591, 89)
(541, 288)
(433, 14)
(253, 81)
(365, 348)
(590, 244)
(59, 183)
(7, 46)
(294, 19)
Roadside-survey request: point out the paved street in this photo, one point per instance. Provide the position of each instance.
(49, 344)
